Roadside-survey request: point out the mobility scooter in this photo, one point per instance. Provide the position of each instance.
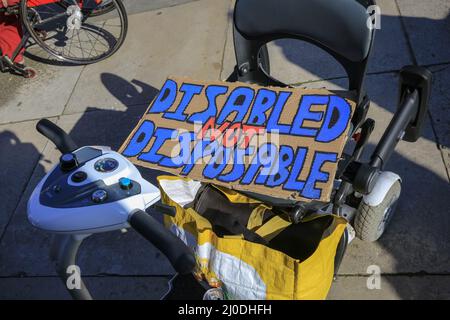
(94, 189)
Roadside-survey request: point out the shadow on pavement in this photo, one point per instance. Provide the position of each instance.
(128, 93)
(116, 253)
(15, 179)
(385, 52)
(417, 238)
(415, 247)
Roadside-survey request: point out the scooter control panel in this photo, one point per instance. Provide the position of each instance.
(92, 189)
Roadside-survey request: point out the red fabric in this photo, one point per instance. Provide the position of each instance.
(34, 3)
(10, 2)
(10, 33)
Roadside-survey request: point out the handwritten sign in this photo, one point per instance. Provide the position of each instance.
(280, 142)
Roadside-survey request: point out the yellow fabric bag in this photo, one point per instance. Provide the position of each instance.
(247, 270)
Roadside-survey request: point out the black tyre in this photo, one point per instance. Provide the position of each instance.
(29, 73)
(77, 32)
(371, 221)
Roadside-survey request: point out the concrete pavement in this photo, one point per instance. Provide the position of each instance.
(100, 104)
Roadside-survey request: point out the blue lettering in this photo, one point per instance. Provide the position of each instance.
(202, 148)
(140, 139)
(264, 101)
(239, 101)
(279, 176)
(316, 175)
(264, 159)
(183, 156)
(292, 182)
(304, 113)
(336, 119)
(165, 98)
(238, 165)
(217, 163)
(161, 136)
(211, 94)
(189, 90)
(273, 123)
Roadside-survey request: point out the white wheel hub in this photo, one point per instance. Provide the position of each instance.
(75, 17)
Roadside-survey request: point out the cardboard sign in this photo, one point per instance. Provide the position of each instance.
(280, 142)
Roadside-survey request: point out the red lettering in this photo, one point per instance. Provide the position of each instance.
(232, 133)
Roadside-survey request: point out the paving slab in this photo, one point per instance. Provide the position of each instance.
(392, 288)
(390, 51)
(446, 156)
(185, 40)
(44, 96)
(229, 59)
(20, 150)
(24, 249)
(428, 26)
(344, 288)
(137, 6)
(440, 103)
(294, 61)
(110, 288)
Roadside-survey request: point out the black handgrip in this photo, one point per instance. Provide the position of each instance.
(58, 136)
(180, 256)
(165, 209)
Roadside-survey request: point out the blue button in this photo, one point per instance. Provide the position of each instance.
(125, 183)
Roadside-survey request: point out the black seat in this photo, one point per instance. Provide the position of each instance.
(337, 26)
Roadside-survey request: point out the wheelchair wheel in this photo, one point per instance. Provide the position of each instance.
(371, 221)
(76, 31)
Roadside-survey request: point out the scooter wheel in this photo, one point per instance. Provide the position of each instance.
(29, 73)
(371, 221)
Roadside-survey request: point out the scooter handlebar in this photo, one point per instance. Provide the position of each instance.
(58, 136)
(180, 256)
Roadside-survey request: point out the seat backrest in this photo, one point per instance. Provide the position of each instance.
(340, 27)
